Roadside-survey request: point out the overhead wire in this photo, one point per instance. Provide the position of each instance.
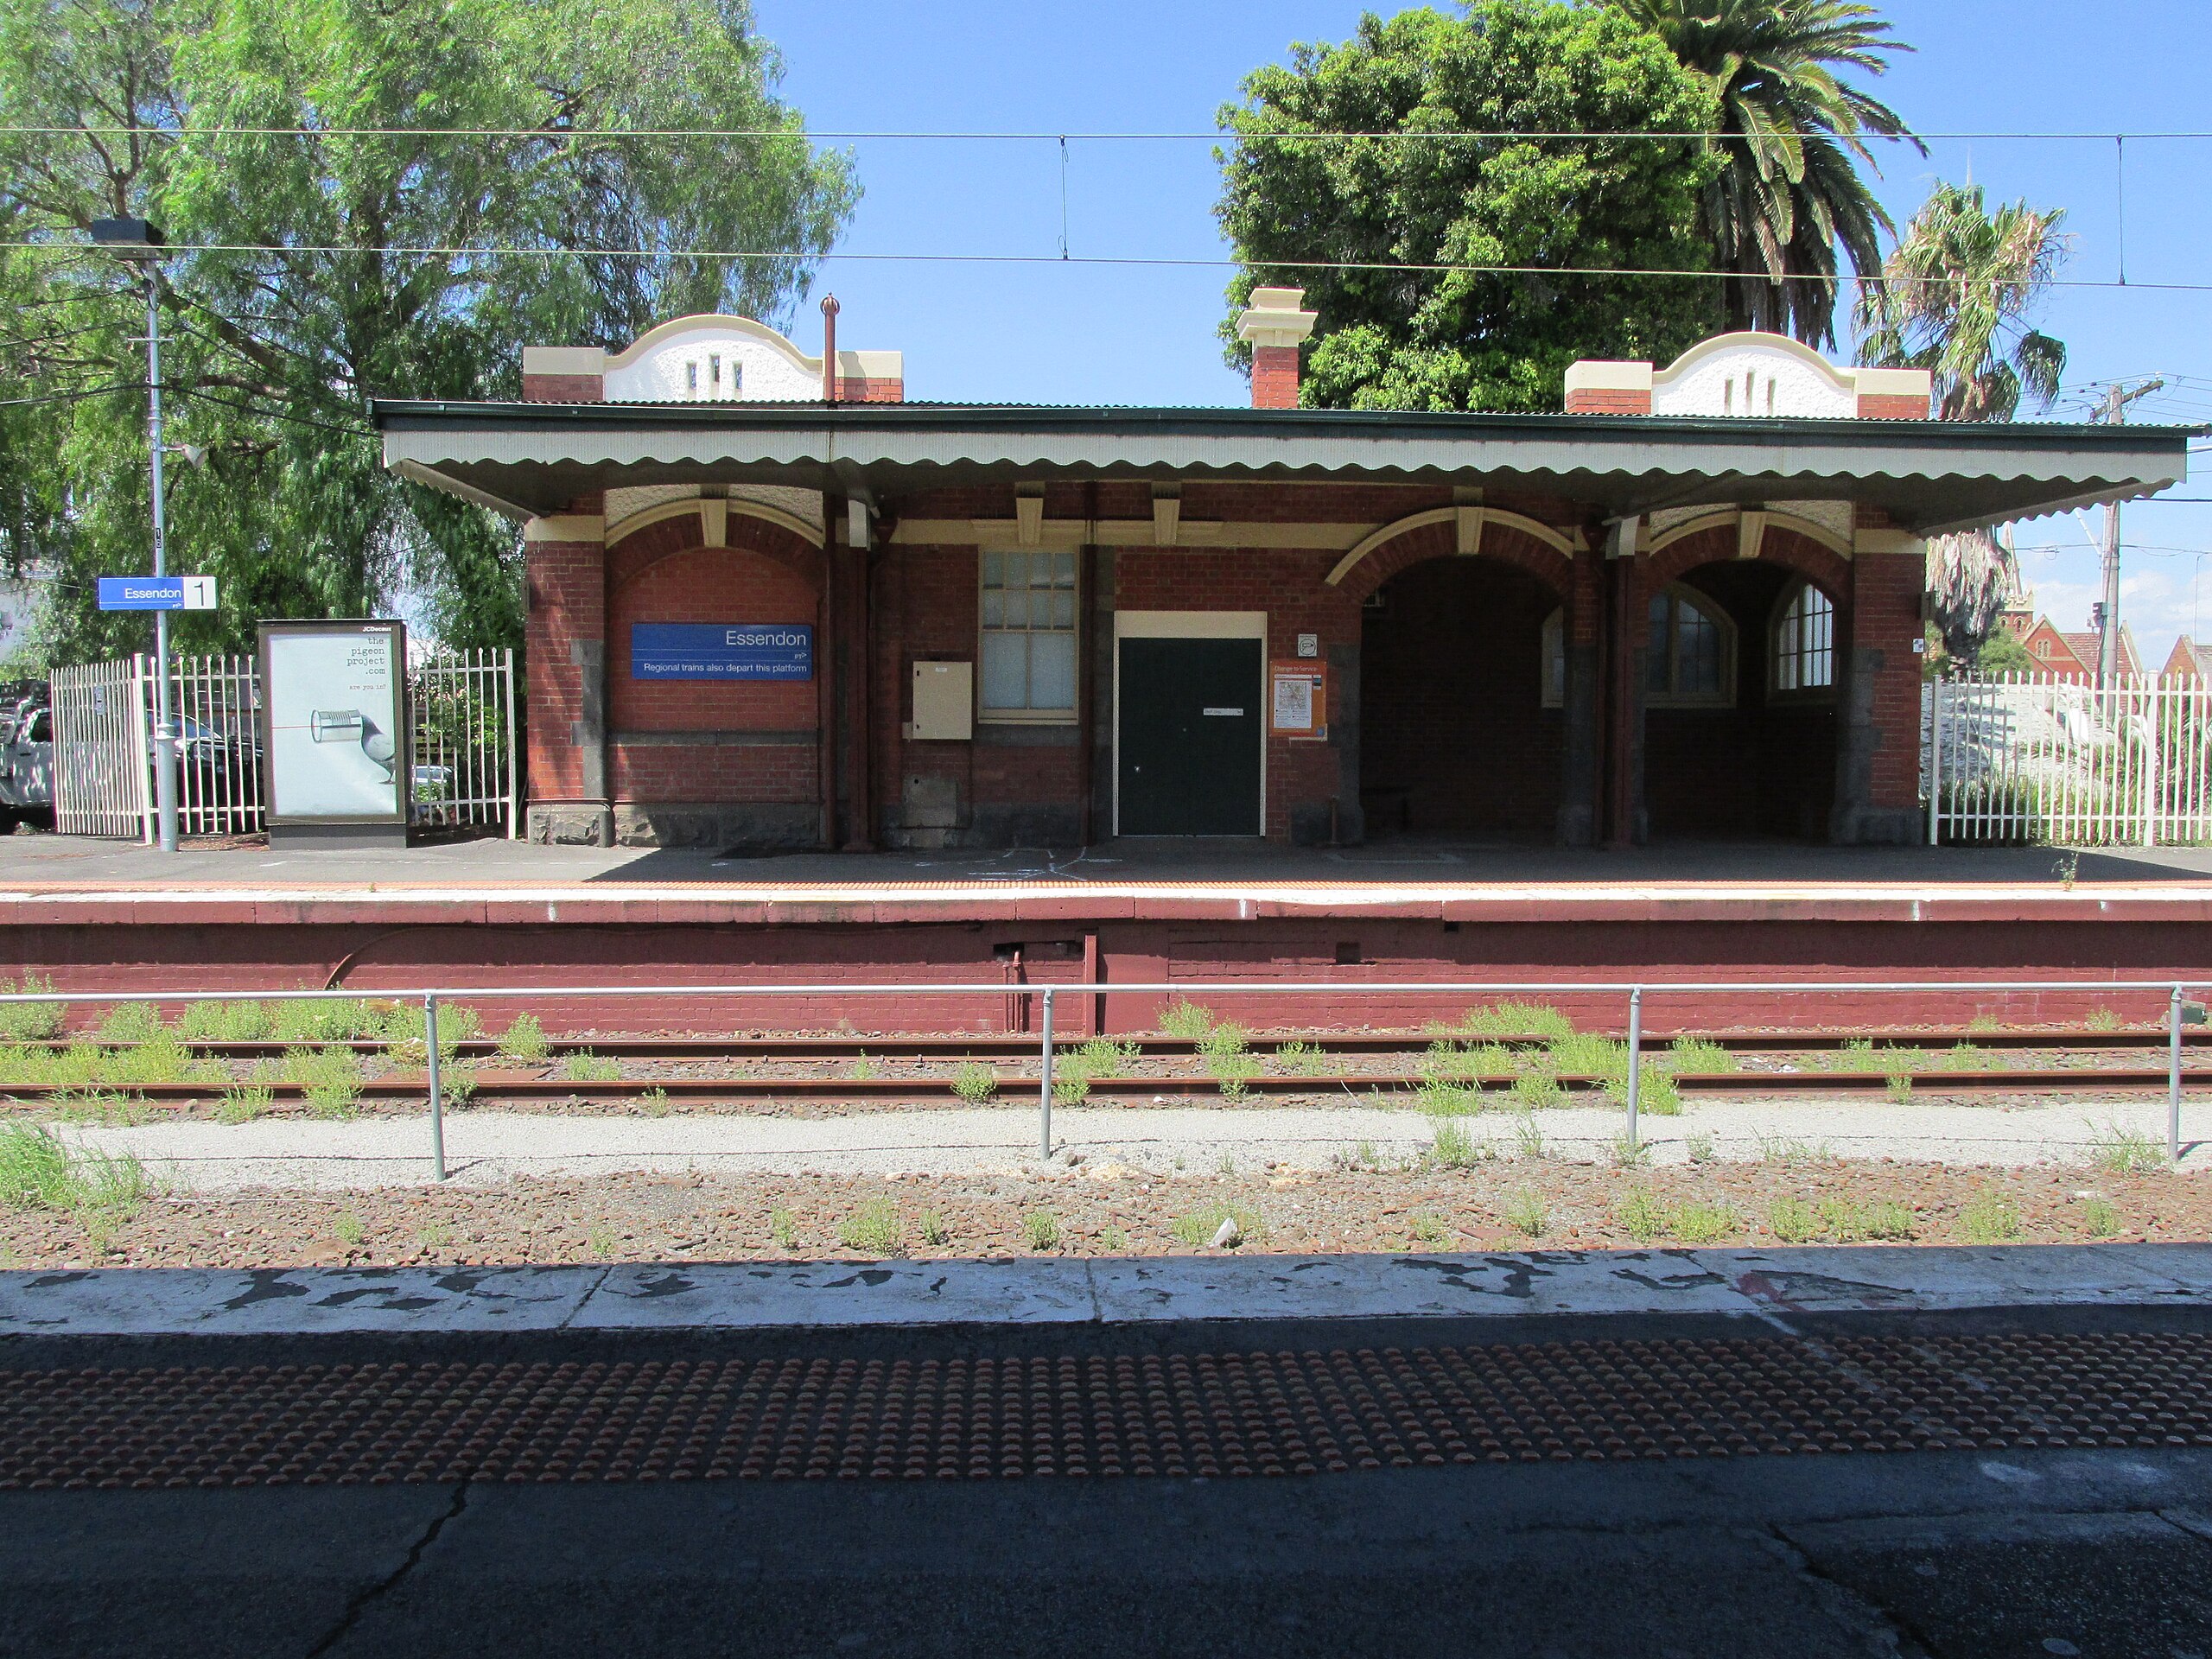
(1025, 136)
(1386, 267)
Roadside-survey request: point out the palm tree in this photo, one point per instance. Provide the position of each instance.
(1954, 299)
(1790, 132)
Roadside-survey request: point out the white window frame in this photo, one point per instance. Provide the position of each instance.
(1776, 651)
(1191, 624)
(1551, 653)
(1031, 716)
(1712, 611)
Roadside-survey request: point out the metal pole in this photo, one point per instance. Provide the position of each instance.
(1635, 1056)
(2173, 1077)
(1935, 762)
(164, 717)
(1045, 1089)
(437, 1094)
(514, 804)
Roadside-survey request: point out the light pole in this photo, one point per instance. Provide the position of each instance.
(138, 243)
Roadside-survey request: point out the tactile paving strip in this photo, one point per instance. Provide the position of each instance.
(1229, 1414)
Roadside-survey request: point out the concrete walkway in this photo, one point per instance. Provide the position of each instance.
(1771, 1284)
(484, 1148)
(45, 863)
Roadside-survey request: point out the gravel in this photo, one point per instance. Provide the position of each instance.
(1109, 1208)
(489, 1146)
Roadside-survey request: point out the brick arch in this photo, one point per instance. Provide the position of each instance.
(1501, 542)
(630, 555)
(1825, 569)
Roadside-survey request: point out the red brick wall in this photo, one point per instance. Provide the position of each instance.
(563, 388)
(706, 585)
(860, 389)
(566, 588)
(662, 574)
(750, 774)
(1607, 400)
(1885, 616)
(1874, 406)
(1275, 377)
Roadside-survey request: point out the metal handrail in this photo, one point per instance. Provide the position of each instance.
(1635, 989)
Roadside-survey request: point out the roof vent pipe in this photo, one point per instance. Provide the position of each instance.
(830, 309)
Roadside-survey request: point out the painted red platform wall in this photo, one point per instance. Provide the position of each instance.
(2055, 938)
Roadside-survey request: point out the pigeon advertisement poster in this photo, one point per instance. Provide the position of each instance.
(333, 705)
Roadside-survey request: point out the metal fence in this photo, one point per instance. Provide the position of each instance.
(102, 778)
(461, 744)
(1635, 996)
(460, 725)
(2032, 759)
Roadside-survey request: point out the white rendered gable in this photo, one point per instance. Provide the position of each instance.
(721, 359)
(1754, 374)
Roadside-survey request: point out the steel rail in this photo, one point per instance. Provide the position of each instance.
(2175, 989)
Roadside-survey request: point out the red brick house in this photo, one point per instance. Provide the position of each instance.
(2073, 655)
(771, 607)
(2187, 661)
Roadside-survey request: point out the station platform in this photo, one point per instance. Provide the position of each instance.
(100, 915)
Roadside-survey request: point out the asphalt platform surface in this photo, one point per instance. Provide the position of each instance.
(2022, 1480)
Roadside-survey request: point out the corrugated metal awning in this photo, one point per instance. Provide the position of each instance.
(1929, 475)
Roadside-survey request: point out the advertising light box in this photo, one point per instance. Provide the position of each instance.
(334, 711)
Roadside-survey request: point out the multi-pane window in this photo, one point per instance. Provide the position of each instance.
(1804, 641)
(1689, 651)
(1029, 635)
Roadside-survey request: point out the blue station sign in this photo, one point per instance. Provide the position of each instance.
(157, 592)
(722, 650)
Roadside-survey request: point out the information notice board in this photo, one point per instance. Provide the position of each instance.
(1298, 698)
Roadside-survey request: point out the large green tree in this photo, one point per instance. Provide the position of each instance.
(1351, 155)
(1792, 135)
(294, 151)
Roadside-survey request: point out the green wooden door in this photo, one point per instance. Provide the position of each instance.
(1190, 738)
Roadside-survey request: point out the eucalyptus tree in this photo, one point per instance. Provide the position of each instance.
(367, 197)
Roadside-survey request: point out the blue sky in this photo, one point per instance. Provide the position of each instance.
(1050, 332)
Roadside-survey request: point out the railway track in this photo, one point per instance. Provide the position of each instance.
(989, 1045)
(874, 1069)
(494, 1088)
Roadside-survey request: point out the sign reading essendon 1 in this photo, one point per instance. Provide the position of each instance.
(722, 650)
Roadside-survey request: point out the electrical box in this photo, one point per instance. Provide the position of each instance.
(944, 703)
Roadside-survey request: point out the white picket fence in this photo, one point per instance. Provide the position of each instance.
(2032, 759)
(461, 744)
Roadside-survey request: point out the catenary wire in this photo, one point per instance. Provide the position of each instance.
(1119, 260)
(1198, 135)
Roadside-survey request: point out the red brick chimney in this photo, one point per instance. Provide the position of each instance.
(563, 374)
(1275, 328)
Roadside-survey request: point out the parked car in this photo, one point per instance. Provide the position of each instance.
(219, 775)
(26, 761)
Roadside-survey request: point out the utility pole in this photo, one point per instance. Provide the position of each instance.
(139, 243)
(2115, 413)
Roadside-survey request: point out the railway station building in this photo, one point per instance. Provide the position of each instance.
(775, 604)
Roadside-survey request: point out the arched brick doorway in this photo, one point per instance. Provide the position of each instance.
(1754, 756)
(1462, 727)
